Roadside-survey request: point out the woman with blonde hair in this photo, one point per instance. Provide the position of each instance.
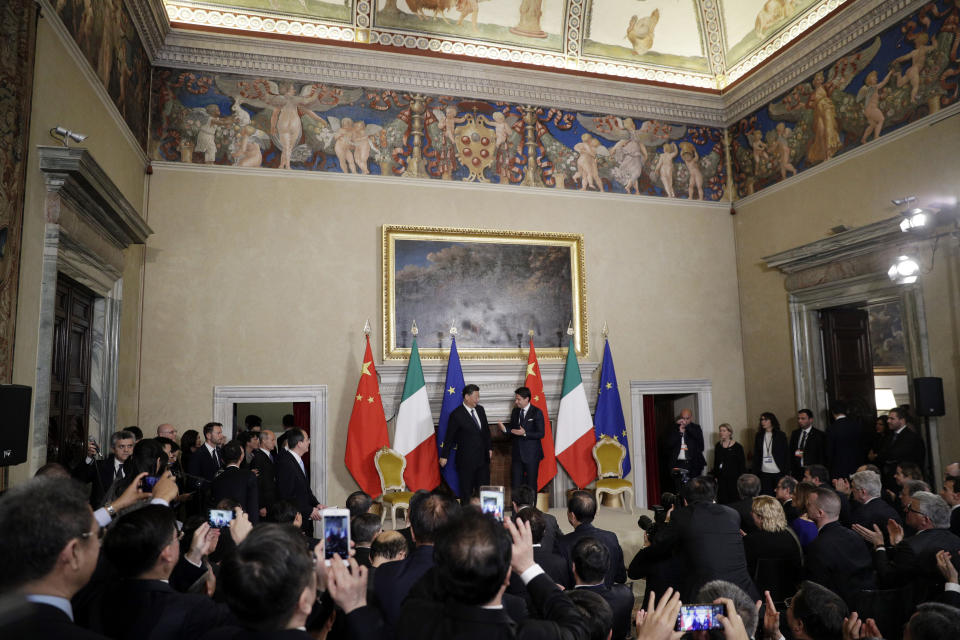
(729, 463)
(774, 556)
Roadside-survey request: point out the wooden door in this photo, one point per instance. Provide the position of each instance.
(70, 377)
(847, 360)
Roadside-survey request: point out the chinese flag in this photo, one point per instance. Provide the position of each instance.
(548, 466)
(367, 431)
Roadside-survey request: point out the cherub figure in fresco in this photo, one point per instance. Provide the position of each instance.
(759, 149)
(588, 172)
(285, 122)
(502, 125)
(630, 154)
(248, 150)
(917, 58)
(446, 147)
(690, 157)
(209, 119)
(363, 137)
(343, 146)
(869, 95)
(665, 167)
(783, 149)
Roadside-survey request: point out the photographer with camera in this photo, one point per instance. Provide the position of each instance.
(649, 564)
(685, 444)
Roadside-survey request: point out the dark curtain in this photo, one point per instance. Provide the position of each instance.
(301, 415)
(650, 446)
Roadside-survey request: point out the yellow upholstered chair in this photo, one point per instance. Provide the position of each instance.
(609, 455)
(390, 464)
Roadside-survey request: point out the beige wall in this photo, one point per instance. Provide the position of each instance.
(855, 192)
(267, 277)
(62, 95)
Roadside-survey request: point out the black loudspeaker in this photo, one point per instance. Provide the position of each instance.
(928, 396)
(14, 423)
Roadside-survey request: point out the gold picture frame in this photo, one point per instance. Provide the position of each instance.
(489, 311)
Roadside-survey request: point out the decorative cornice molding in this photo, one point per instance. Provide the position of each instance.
(849, 244)
(75, 176)
(151, 22)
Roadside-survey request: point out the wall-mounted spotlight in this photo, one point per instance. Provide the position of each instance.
(904, 271)
(64, 135)
(914, 218)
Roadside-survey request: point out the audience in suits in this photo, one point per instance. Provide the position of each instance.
(818, 475)
(363, 529)
(524, 496)
(581, 510)
(748, 487)
(784, 493)
(770, 460)
(236, 483)
(358, 502)
(591, 561)
(902, 444)
(845, 447)
(207, 460)
(867, 508)
(729, 463)
(808, 445)
(556, 565)
(951, 495)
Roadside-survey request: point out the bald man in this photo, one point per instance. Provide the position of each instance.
(685, 444)
(166, 430)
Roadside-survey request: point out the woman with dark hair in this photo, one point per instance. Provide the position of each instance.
(769, 453)
(190, 442)
(879, 437)
(729, 464)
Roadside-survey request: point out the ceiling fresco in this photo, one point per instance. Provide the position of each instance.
(706, 44)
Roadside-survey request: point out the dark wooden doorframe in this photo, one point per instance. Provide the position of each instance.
(70, 372)
(848, 361)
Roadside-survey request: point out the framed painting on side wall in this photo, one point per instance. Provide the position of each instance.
(493, 286)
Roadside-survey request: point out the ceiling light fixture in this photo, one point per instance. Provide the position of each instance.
(64, 135)
(904, 271)
(914, 218)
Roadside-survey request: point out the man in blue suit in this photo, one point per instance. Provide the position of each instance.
(526, 432)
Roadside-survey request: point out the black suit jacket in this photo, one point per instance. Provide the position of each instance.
(527, 447)
(556, 566)
(240, 485)
(744, 507)
(239, 633)
(814, 451)
(152, 610)
(778, 447)
(875, 512)
(693, 438)
(617, 572)
(782, 546)
(845, 447)
(914, 562)
(292, 484)
(790, 511)
(955, 521)
(267, 480)
(395, 579)
(838, 559)
(42, 622)
(707, 536)
(99, 473)
(203, 465)
(620, 599)
(908, 446)
(473, 444)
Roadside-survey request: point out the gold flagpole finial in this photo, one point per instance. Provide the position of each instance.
(414, 329)
(366, 328)
(453, 327)
(605, 331)
(570, 329)
(530, 333)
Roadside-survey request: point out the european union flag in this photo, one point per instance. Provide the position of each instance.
(608, 419)
(452, 398)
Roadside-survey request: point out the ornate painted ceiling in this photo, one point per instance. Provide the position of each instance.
(697, 61)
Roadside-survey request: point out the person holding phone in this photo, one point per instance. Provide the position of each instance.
(526, 431)
(469, 432)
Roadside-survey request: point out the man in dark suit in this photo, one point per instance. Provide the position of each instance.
(101, 473)
(808, 445)
(236, 483)
(951, 494)
(428, 515)
(556, 566)
(50, 548)
(581, 510)
(837, 557)
(818, 475)
(748, 488)
(524, 496)
(526, 431)
(685, 447)
(265, 463)
(913, 560)
(784, 493)
(292, 479)
(708, 536)
(845, 447)
(591, 560)
(363, 529)
(143, 545)
(469, 432)
(207, 460)
(902, 444)
(867, 508)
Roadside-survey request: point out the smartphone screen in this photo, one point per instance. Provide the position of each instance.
(491, 501)
(336, 533)
(699, 617)
(148, 482)
(220, 518)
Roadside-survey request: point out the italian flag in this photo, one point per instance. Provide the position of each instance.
(575, 437)
(414, 436)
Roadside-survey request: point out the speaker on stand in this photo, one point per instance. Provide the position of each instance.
(928, 402)
(14, 426)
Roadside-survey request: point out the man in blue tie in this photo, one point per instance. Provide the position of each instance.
(292, 478)
(469, 432)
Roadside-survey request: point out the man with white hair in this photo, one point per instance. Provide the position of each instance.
(913, 561)
(167, 430)
(867, 508)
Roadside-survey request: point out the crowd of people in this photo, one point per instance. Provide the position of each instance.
(202, 538)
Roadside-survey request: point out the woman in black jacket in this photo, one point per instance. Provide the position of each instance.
(774, 556)
(729, 464)
(770, 453)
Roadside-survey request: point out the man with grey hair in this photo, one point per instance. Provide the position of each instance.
(913, 560)
(51, 543)
(744, 605)
(101, 473)
(837, 557)
(867, 508)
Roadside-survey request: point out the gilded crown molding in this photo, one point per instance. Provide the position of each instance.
(152, 24)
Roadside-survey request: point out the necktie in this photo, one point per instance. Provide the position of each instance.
(118, 473)
(216, 457)
(803, 440)
(523, 414)
(473, 412)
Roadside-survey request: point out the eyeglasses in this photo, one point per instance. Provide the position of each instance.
(89, 534)
(912, 510)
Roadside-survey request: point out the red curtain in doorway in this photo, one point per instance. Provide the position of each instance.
(650, 446)
(301, 415)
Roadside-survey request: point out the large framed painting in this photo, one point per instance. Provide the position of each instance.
(494, 287)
